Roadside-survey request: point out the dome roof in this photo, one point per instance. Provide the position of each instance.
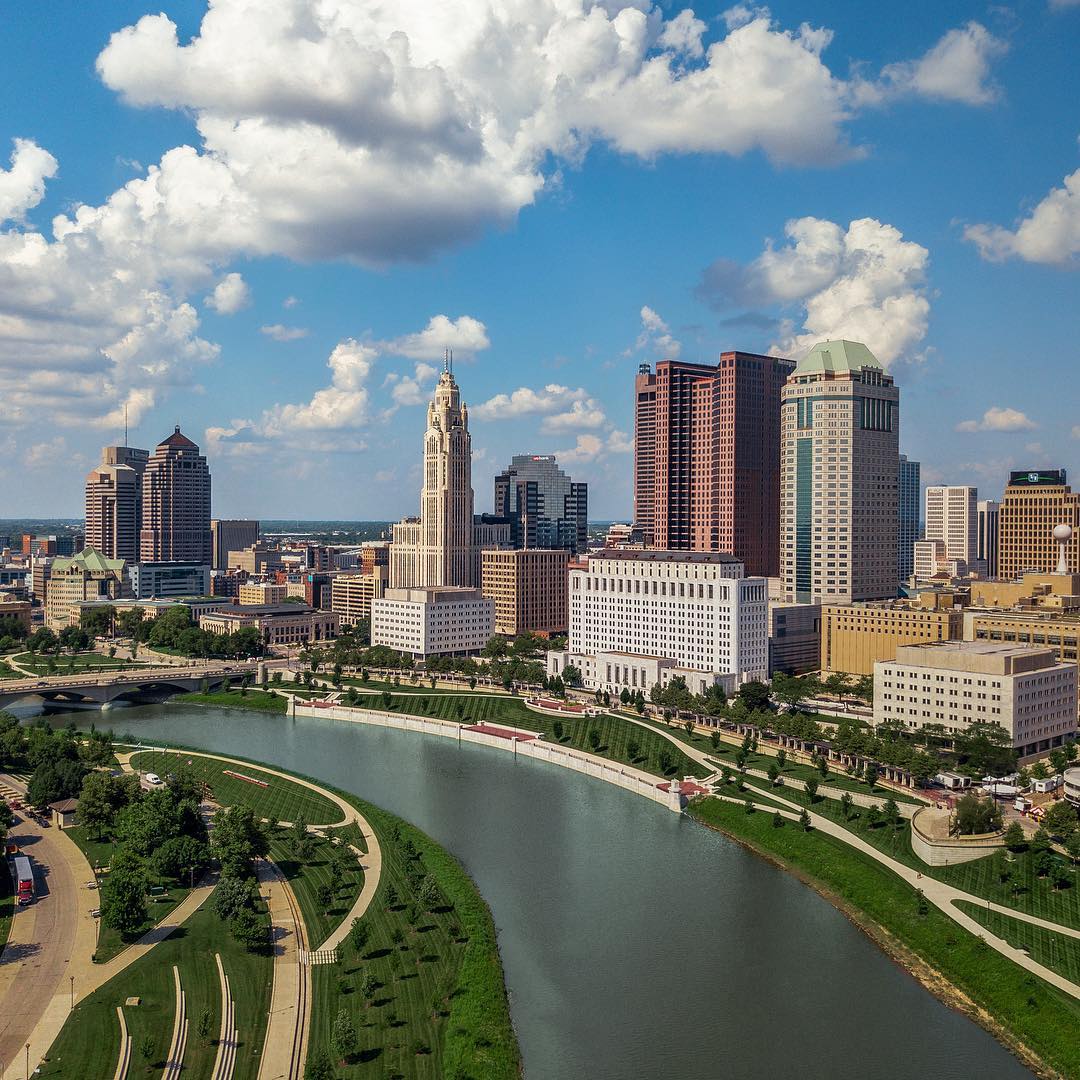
(840, 355)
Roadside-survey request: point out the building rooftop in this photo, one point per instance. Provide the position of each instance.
(179, 440)
(247, 610)
(985, 657)
(837, 356)
(658, 555)
(89, 559)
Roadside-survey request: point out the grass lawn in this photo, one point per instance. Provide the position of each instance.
(7, 906)
(7, 672)
(89, 1044)
(306, 876)
(280, 800)
(1058, 952)
(1043, 1018)
(237, 699)
(407, 687)
(110, 942)
(79, 663)
(615, 732)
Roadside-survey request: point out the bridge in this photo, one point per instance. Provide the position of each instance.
(136, 684)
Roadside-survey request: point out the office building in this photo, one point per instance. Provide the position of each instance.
(987, 536)
(164, 580)
(1035, 502)
(226, 536)
(442, 546)
(794, 637)
(952, 518)
(854, 637)
(114, 501)
(351, 594)
(545, 508)
(707, 456)
(176, 504)
(955, 684)
(841, 468)
(15, 610)
(261, 593)
(277, 624)
(642, 617)
(529, 588)
(86, 576)
(909, 530)
(260, 558)
(446, 620)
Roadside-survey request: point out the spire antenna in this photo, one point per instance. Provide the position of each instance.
(446, 360)
(125, 424)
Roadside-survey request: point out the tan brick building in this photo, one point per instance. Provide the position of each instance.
(1034, 503)
(351, 594)
(530, 589)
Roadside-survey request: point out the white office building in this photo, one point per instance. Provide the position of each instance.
(952, 517)
(436, 621)
(640, 617)
(1026, 690)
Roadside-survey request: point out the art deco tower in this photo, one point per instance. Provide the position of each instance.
(176, 504)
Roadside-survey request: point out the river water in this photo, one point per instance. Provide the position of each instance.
(635, 943)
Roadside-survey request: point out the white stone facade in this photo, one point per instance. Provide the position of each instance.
(644, 616)
(433, 621)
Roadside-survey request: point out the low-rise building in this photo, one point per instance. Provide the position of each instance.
(658, 614)
(279, 624)
(529, 587)
(165, 580)
(437, 621)
(794, 637)
(262, 592)
(258, 558)
(854, 637)
(955, 684)
(351, 594)
(86, 576)
(19, 610)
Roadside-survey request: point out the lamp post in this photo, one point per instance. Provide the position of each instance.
(27, 1061)
(72, 977)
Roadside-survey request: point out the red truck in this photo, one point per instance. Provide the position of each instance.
(24, 880)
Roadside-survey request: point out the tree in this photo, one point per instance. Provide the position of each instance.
(873, 816)
(429, 894)
(249, 929)
(571, 676)
(1072, 847)
(232, 894)
(633, 749)
(1041, 840)
(804, 819)
(665, 761)
(391, 898)
(1014, 837)
(777, 820)
(300, 841)
(237, 840)
(870, 774)
(892, 812)
(146, 1048)
(96, 804)
(359, 935)
(318, 1066)
(123, 894)
(973, 816)
(180, 855)
(1039, 771)
(343, 1036)
(1060, 819)
(714, 739)
(557, 730)
(324, 896)
(754, 694)
(594, 739)
(53, 780)
(624, 696)
(774, 774)
(204, 1027)
(812, 788)
(688, 727)
(781, 758)
(1060, 876)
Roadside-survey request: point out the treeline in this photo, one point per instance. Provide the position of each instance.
(174, 630)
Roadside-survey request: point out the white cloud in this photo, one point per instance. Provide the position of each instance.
(582, 414)
(957, 68)
(284, 333)
(230, 295)
(999, 419)
(45, 454)
(1061, 5)
(528, 402)
(656, 335)
(22, 186)
(1050, 234)
(415, 389)
(290, 302)
(464, 335)
(590, 448)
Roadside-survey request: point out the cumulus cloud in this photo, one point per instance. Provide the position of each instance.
(22, 186)
(999, 419)
(864, 282)
(414, 389)
(656, 335)
(284, 333)
(1050, 234)
(230, 295)
(464, 335)
(44, 454)
(525, 401)
(590, 448)
(290, 302)
(586, 414)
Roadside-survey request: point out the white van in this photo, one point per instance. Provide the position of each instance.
(153, 778)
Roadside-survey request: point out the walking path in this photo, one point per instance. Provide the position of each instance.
(228, 1036)
(175, 1061)
(124, 1061)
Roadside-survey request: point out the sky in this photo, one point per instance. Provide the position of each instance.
(265, 223)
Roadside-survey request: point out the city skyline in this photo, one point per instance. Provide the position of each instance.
(300, 356)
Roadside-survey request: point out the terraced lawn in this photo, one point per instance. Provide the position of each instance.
(1058, 952)
(279, 800)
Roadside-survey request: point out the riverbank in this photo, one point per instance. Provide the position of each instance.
(1033, 1019)
(257, 700)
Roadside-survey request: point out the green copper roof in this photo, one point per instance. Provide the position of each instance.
(837, 356)
(91, 559)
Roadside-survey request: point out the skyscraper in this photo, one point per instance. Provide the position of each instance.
(707, 456)
(1035, 502)
(114, 501)
(176, 504)
(951, 519)
(546, 509)
(841, 468)
(229, 536)
(909, 516)
(987, 527)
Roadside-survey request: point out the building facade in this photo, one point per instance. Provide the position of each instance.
(86, 576)
(987, 536)
(230, 535)
(443, 620)
(169, 579)
(278, 624)
(1035, 502)
(545, 508)
(841, 467)
(649, 615)
(176, 504)
(909, 526)
(114, 502)
(707, 456)
(529, 588)
(959, 683)
(952, 518)
(263, 592)
(351, 594)
(794, 638)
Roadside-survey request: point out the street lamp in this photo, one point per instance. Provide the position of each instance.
(27, 1061)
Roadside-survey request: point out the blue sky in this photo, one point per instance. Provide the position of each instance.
(560, 205)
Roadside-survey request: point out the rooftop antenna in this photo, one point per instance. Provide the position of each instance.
(446, 360)
(451, 361)
(125, 425)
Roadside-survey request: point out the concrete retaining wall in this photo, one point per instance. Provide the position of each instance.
(936, 851)
(641, 783)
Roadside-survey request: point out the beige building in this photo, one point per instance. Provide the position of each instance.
(840, 470)
(351, 594)
(1029, 692)
(951, 517)
(445, 620)
(258, 558)
(855, 637)
(231, 535)
(262, 593)
(279, 624)
(529, 587)
(19, 610)
(1035, 503)
(86, 576)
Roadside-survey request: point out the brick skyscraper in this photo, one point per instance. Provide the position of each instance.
(176, 504)
(114, 503)
(707, 457)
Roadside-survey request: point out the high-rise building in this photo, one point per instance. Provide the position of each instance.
(951, 517)
(229, 536)
(841, 468)
(545, 508)
(443, 545)
(909, 517)
(86, 576)
(114, 502)
(707, 456)
(529, 587)
(987, 536)
(176, 504)
(1035, 503)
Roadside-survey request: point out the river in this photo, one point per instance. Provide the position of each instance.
(635, 942)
